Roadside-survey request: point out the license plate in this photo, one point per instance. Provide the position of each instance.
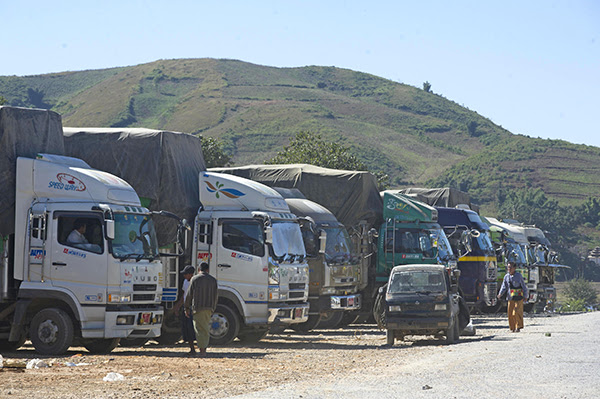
(145, 318)
(298, 313)
(350, 301)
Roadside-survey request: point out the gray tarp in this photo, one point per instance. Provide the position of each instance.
(161, 166)
(447, 196)
(24, 132)
(351, 196)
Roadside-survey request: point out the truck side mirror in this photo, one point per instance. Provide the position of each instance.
(466, 241)
(322, 241)
(269, 235)
(110, 229)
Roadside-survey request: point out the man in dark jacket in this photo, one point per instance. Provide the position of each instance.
(201, 302)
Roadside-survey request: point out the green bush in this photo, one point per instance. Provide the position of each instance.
(573, 305)
(580, 290)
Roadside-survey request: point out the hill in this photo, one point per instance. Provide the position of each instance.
(417, 137)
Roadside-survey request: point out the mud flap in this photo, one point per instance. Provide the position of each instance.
(464, 316)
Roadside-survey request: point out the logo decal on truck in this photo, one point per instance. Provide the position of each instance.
(67, 182)
(228, 192)
(204, 256)
(74, 253)
(37, 254)
(241, 257)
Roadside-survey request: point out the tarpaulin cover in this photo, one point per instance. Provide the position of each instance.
(351, 196)
(447, 196)
(161, 166)
(24, 132)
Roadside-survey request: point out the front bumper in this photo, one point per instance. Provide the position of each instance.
(146, 323)
(288, 313)
(345, 302)
(415, 324)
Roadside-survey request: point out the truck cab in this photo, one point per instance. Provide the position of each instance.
(422, 300)
(334, 267)
(83, 262)
(253, 244)
(469, 238)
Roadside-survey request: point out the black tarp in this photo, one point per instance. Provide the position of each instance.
(161, 166)
(24, 132)
(446, 197)
(351, 196)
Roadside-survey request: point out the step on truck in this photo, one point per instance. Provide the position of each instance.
(82, 265)
(253, 244)
(334, 267)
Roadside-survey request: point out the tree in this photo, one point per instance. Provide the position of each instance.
(427, 86)
(472, 128)
(3, 100)
(214, 154)
(310, 148)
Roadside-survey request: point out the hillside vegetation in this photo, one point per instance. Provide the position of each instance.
(417, 137)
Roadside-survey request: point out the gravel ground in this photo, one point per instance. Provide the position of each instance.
(553, 357)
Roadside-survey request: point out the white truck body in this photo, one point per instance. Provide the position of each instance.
(245, 232)
(109, 288)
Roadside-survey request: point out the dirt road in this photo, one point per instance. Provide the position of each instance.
(554, 357)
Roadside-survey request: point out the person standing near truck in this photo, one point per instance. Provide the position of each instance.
(516, 291)
(200, 303)
(187, 324)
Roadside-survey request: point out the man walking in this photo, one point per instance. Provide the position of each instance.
(201, 302)
(516, 291)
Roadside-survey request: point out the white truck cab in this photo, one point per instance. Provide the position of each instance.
(85, 264)
(253, 245)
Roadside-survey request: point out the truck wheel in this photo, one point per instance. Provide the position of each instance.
(51, 331)
(252, 336)
(101, 346)
(224, 325)
(311, 323)
(330, 320)
(528, 307)
(452, 332)
(390, 337)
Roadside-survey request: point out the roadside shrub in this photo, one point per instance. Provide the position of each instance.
(581, 290)
(573, 305)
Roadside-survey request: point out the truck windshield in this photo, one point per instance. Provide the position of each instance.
(338, 248)
(439, 240)
(287, 240)
(484, 242)
(417, 281)
(514, 253)
(135, 237)
(410, 242)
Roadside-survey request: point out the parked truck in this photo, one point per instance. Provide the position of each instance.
(334, 268)
(163, 167)
(79, 257)
(253, 244)
(477, 261)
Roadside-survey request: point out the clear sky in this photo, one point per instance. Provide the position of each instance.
(530, 66)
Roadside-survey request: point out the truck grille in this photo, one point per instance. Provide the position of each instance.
(144, 287)
(143, 297)
(296, 294)
(297, 286)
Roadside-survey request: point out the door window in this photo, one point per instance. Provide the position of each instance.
(245, 237)
(81, 232)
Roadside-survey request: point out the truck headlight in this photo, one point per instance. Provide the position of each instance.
(441, 306)
(119, 298)
(273, 292)
(395, 308)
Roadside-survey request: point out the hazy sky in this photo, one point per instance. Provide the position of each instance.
(532, 67)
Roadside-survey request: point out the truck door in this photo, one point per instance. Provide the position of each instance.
(79, 261)
(241, 259)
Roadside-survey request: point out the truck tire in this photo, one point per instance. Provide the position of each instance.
(528, 307)
(51, 331)
(224, 325)
(330, 320)
(390, 337)
(310, 324)
(252, 335)
(452, 332)
(170, 338)
(101, 346)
